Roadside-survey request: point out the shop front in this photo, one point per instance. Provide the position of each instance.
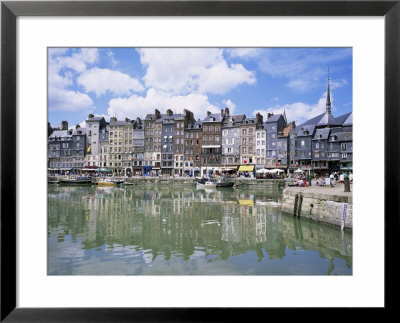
(246, 170)
(147, 170)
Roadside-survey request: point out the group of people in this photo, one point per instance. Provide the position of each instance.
(334, 178)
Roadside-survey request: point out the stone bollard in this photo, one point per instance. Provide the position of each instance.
(346, 184)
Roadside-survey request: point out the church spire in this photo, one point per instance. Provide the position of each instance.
(328, 97)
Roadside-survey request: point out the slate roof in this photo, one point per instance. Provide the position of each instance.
(83, 131)
(59, 133)
(328, 120)
(312, 121)
(302, 130)
(345, 136)
(94, 119)
(349, 120)
(249, 121)
(213, 117)
(321, 134)
(274, 118)
(237, 120)
(120, 123)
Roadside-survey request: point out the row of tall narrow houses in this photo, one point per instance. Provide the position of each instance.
(177, 144)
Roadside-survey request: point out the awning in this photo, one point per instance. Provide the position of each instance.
(196, 169)
(211, 146)
(246, 202)
(246, 168)
(229, 168)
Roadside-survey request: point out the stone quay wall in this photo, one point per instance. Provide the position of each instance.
(239, 182)
(324, 204)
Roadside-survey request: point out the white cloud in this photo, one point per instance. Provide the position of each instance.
(229, 104)
(79, 60)
(59, 96)
(298, 111)
(139, 106)
(100, 80)
(66, 100)
(243, 52)
(186, 70)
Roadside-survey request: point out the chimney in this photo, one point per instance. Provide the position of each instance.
(293, 124)
(208, 113)
(113, 119)
(227, 112)
(127, 120)
(259, 118)
(222, 113)
(169, 112)
(157, 114)
(64, 125)
(77, 126)
(91, 116)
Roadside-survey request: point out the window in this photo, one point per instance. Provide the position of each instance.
(317, 145)
(344, 146)
(303, 143)
(316, 154)
(344, 155)
(205, 129)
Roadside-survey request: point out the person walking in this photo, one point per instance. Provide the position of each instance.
(332, 180)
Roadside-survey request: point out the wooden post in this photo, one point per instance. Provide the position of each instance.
(299, 206)
(296, 199)
(346, 184)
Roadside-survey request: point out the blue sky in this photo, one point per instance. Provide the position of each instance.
(131, 82)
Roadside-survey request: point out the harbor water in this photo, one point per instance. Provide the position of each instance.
(182, 230)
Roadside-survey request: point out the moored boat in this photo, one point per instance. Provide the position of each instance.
(225, 184)
(106, 183)
(205, 183)
(76, 180)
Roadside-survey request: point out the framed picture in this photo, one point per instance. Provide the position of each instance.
(34, 33)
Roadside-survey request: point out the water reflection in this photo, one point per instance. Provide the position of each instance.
(181, 230)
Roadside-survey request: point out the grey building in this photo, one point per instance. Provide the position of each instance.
(167, 143)
(274, 125)
(231, 140)
(66, 150)
(138, 147)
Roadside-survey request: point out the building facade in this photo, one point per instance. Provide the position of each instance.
(231, 140)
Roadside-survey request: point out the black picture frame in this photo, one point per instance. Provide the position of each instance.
(10, 10)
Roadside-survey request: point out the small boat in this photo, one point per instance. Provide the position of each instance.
(106, 183)
(76, 180)
(205, 183)
(225, 184)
